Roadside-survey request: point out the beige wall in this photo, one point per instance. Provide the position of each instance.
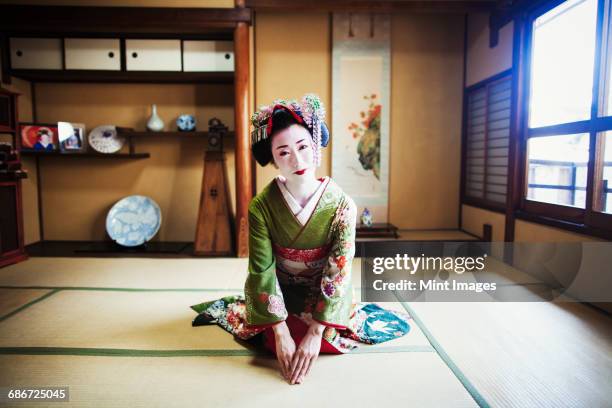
(473, 219)
(426, 82)
(525, 231)
(292, 57)
(482, 60)
(427, 71)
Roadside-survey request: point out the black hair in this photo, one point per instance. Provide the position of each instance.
(281, 120)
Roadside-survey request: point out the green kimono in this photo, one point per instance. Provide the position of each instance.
(300, 268)
(300, 263)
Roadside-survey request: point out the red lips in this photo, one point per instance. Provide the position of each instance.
(299, 172)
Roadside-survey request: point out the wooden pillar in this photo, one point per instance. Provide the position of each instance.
(243, 154)
(518, 115)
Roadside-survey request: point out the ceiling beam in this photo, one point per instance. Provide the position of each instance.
(77, 19)
(373, 6)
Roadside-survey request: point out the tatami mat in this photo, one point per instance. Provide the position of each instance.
(160, 273)
(11, 300)
(527, 354)
(127, 272)
(135, 320)
(122, 329)
(501, 273)
(360, 380)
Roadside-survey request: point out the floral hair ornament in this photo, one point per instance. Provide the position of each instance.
(310, 113)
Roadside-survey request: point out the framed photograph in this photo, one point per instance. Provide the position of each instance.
(71, 137)
(38, 136)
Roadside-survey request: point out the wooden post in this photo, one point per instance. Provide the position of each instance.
(243, 155)
(516, 175)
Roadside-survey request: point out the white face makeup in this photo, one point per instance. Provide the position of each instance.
(293, 154)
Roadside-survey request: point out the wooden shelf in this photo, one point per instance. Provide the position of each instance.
(109, 249)
(7, 129)
(4, 177)
(49, 75)
(86, 154)
(126, 132)
(126, 23)
(377, 230)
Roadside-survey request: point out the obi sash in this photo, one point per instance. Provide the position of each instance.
(302, 267)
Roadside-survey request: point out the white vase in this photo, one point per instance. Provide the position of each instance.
(155, 124)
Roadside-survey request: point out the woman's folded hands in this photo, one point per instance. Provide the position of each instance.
(295, 362)
(306, 353)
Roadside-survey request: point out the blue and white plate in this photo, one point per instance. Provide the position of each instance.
(133, 220)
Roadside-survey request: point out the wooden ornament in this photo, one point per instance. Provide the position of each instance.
(214, 227)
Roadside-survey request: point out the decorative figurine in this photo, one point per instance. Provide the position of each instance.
(186, 123)
(366, 217)
(155, 124)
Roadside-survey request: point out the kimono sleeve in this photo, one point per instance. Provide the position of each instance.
(263, 297)
(336, 295)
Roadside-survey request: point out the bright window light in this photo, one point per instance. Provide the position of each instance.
(557, 169)
(562, 61)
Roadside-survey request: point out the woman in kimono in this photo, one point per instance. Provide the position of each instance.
(298, 296)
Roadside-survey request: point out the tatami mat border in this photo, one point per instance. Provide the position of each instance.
(478, 398)
(104, 352)
(129, 289)
(77, 351)
(25, 306)
(125, 289)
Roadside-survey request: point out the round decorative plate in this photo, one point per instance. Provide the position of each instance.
(104, 139)
(133, 220)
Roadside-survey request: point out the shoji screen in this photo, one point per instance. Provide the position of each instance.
(487, 141)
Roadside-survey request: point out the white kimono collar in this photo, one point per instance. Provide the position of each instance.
(301, 213)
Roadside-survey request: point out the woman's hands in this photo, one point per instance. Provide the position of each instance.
(295, 364)
(285, 347)
(306, 354)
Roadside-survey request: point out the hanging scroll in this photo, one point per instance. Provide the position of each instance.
(360, 107)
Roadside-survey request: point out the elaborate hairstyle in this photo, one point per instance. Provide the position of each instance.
(281, 114)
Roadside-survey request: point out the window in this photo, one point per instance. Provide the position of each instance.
(487, 134)
(568, 132)
(603, 196)
(558, 169)
(563, 55)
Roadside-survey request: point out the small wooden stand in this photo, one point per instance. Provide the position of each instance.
(214, 229)
(377, 230)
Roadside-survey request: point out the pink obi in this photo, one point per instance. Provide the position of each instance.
(300, 266)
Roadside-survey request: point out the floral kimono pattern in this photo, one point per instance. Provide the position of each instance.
(300, 272)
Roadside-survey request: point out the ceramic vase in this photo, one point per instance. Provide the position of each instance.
(366, 217)
(155, 124)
